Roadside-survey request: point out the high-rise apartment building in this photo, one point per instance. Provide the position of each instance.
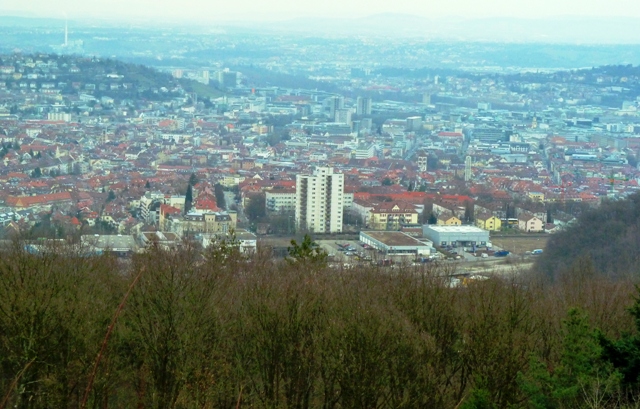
(334, 104)
(343, 116)
(363, 106)
(467, 169)
(320, 201)
(227, 79)
(414, 123)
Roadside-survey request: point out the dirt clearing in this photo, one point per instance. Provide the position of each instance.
(520, 244)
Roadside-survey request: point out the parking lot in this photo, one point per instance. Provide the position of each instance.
(346, 251)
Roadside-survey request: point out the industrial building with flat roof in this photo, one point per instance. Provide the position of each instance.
(119, 244)
(456, 235)
(246, 241)
(396, 243)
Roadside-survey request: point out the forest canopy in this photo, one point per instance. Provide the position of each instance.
(216, 328)
(608, 235)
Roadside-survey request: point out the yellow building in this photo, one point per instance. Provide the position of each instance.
(488, 222)
(530, 223)
(214, 222)
(536, 196)
(448, 219)
(391, 216)
(231, 180)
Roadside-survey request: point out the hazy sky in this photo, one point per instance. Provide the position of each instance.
(273, 9)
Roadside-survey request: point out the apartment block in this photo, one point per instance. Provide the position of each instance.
(320, 201)
(280, 201)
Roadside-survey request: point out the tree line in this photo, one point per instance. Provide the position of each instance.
(193, 328)
(608, 235)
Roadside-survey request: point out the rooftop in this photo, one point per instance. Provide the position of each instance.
(110, 242)
(393, 238)
(161, 236)
(455, 229)
(242, 234)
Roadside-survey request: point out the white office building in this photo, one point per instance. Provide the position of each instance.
(320, 201)
(343, 116)
(280, 201)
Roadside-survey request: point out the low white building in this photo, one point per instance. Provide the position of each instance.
(396, 243)
(456, 235)
(120, 244)
(245, 240)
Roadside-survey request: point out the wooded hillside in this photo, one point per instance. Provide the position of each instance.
(215, 329)
(608, 235)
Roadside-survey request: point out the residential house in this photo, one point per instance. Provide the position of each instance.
(215, 222)
(536, 196)
(488, 221)
(361, 209)
(529, 223)
(447, 207)
(448, 219)
(392, 215)
(165, 211)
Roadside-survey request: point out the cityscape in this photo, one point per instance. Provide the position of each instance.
(99, 146)
(319, 205)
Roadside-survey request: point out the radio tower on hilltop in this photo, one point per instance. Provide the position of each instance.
(66, 33)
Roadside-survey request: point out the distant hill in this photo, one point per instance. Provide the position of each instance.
(26, 21)
(566, 30)
(572, 30)
(145, 81)
(609, 236)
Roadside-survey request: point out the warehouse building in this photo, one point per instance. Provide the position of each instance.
(456, 235)
(396, 243)
(246, 241)
(121, 245)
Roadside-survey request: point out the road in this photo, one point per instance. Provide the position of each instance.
(230, 199)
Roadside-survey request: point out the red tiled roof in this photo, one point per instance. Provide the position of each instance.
(28, 201)
(166, 209)
(388, 207)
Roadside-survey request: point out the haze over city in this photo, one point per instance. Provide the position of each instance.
(566, 21)
(204, 10)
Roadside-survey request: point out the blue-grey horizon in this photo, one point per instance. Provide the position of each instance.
(251, 10)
